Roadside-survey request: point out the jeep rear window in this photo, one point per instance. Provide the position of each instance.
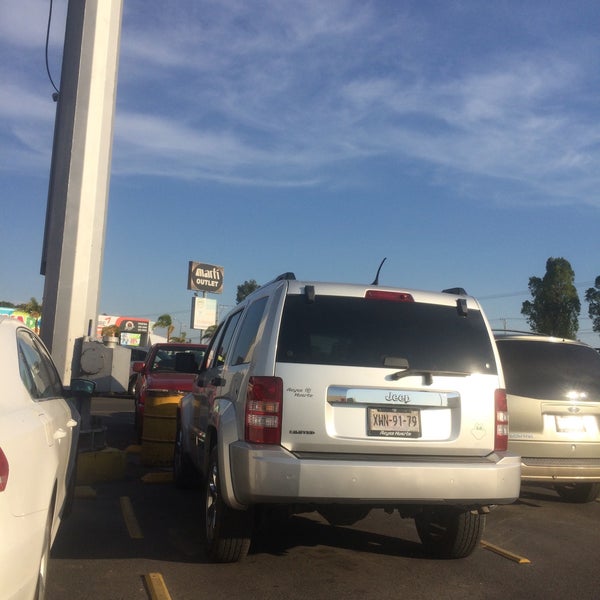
(550, 370)
(340, 330)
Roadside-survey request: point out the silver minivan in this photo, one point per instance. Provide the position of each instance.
(553, 388)
(341, 398)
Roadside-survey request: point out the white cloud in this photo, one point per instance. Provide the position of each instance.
(282, 91)
(24, 22)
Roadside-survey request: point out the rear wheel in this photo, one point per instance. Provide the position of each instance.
(184, 474)
(450, 533)
(228, 531)
(578, 492)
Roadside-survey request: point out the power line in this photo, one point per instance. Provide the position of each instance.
(580, 285)
(47, 42)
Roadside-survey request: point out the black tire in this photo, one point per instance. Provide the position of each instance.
(449, 533)
(132, 385)
(228, 531)
(137, 423)
(40, 590)
(70, 494)
(578, 492)
(185, 475)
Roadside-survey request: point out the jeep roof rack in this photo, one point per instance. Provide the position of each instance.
(283, 277)
(457, 291)
(499, 331)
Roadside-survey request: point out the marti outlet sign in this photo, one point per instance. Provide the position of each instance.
(205, 278)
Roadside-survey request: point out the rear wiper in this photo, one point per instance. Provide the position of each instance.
(427, 375)
(399, 362)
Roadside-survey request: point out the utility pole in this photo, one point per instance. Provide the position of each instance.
(73, 249)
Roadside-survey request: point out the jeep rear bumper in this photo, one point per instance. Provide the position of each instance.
(267, 474)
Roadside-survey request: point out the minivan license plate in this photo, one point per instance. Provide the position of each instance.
(393, 422)
(570, 424)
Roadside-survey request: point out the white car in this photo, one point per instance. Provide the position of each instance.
(38, 437)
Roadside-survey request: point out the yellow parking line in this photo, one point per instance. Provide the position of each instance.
(131, 522)
(158, 477)
(156, 587)
(85, 491)
(510, 555)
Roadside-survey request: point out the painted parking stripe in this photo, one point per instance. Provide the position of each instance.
(156, 586)
(507, 554)
(158, 477)
(131, 522)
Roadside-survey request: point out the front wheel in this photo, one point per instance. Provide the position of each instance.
(578, 492)
(40, 591)
(450, 533)
(228, 531)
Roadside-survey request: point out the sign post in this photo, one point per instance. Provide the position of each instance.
(205, 278)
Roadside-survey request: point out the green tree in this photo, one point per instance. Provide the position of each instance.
(164, 322)
(208, 332)
(245, 289)
(555, 307)
(181, 338)
(592, 296)
(33, 307)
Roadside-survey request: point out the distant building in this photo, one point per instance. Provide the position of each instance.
(132, 331)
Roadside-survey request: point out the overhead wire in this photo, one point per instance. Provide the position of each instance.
(47, 43)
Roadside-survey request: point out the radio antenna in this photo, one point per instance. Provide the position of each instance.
(376, 282)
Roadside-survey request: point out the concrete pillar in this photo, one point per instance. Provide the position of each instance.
(79, 178)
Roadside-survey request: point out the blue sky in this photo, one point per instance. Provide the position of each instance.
(460, 140)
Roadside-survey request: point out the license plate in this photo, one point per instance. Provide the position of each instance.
(393, 422)
(570, 424)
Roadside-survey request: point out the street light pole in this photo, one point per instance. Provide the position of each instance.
(73, 248)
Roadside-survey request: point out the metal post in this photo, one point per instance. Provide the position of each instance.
(79, 177)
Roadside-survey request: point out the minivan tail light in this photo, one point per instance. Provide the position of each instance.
(264, 399)
(501, 437)
(3, 470)
(389, 296)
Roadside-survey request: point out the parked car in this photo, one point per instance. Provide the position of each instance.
(553, 388)
(39, 429)
(168, 367)
(342, 398)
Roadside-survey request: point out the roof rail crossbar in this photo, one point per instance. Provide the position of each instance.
(515, 331)
(283, 277)
(457, 291)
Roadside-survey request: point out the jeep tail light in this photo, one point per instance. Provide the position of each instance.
(263, 410)
(501, 438)
(389, 296)
(3, 470)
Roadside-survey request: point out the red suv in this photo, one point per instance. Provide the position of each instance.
(168, 367)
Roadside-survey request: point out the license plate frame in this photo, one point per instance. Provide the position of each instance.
(393, 422)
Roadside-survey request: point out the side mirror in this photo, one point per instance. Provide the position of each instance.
(138, 367)
(81, 387)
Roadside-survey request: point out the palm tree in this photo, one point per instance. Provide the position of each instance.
(34, 308)
(164, 322)
(208, 332)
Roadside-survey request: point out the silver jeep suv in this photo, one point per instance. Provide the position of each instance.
(341, 398)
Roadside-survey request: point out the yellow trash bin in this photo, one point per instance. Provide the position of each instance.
(159, 427)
